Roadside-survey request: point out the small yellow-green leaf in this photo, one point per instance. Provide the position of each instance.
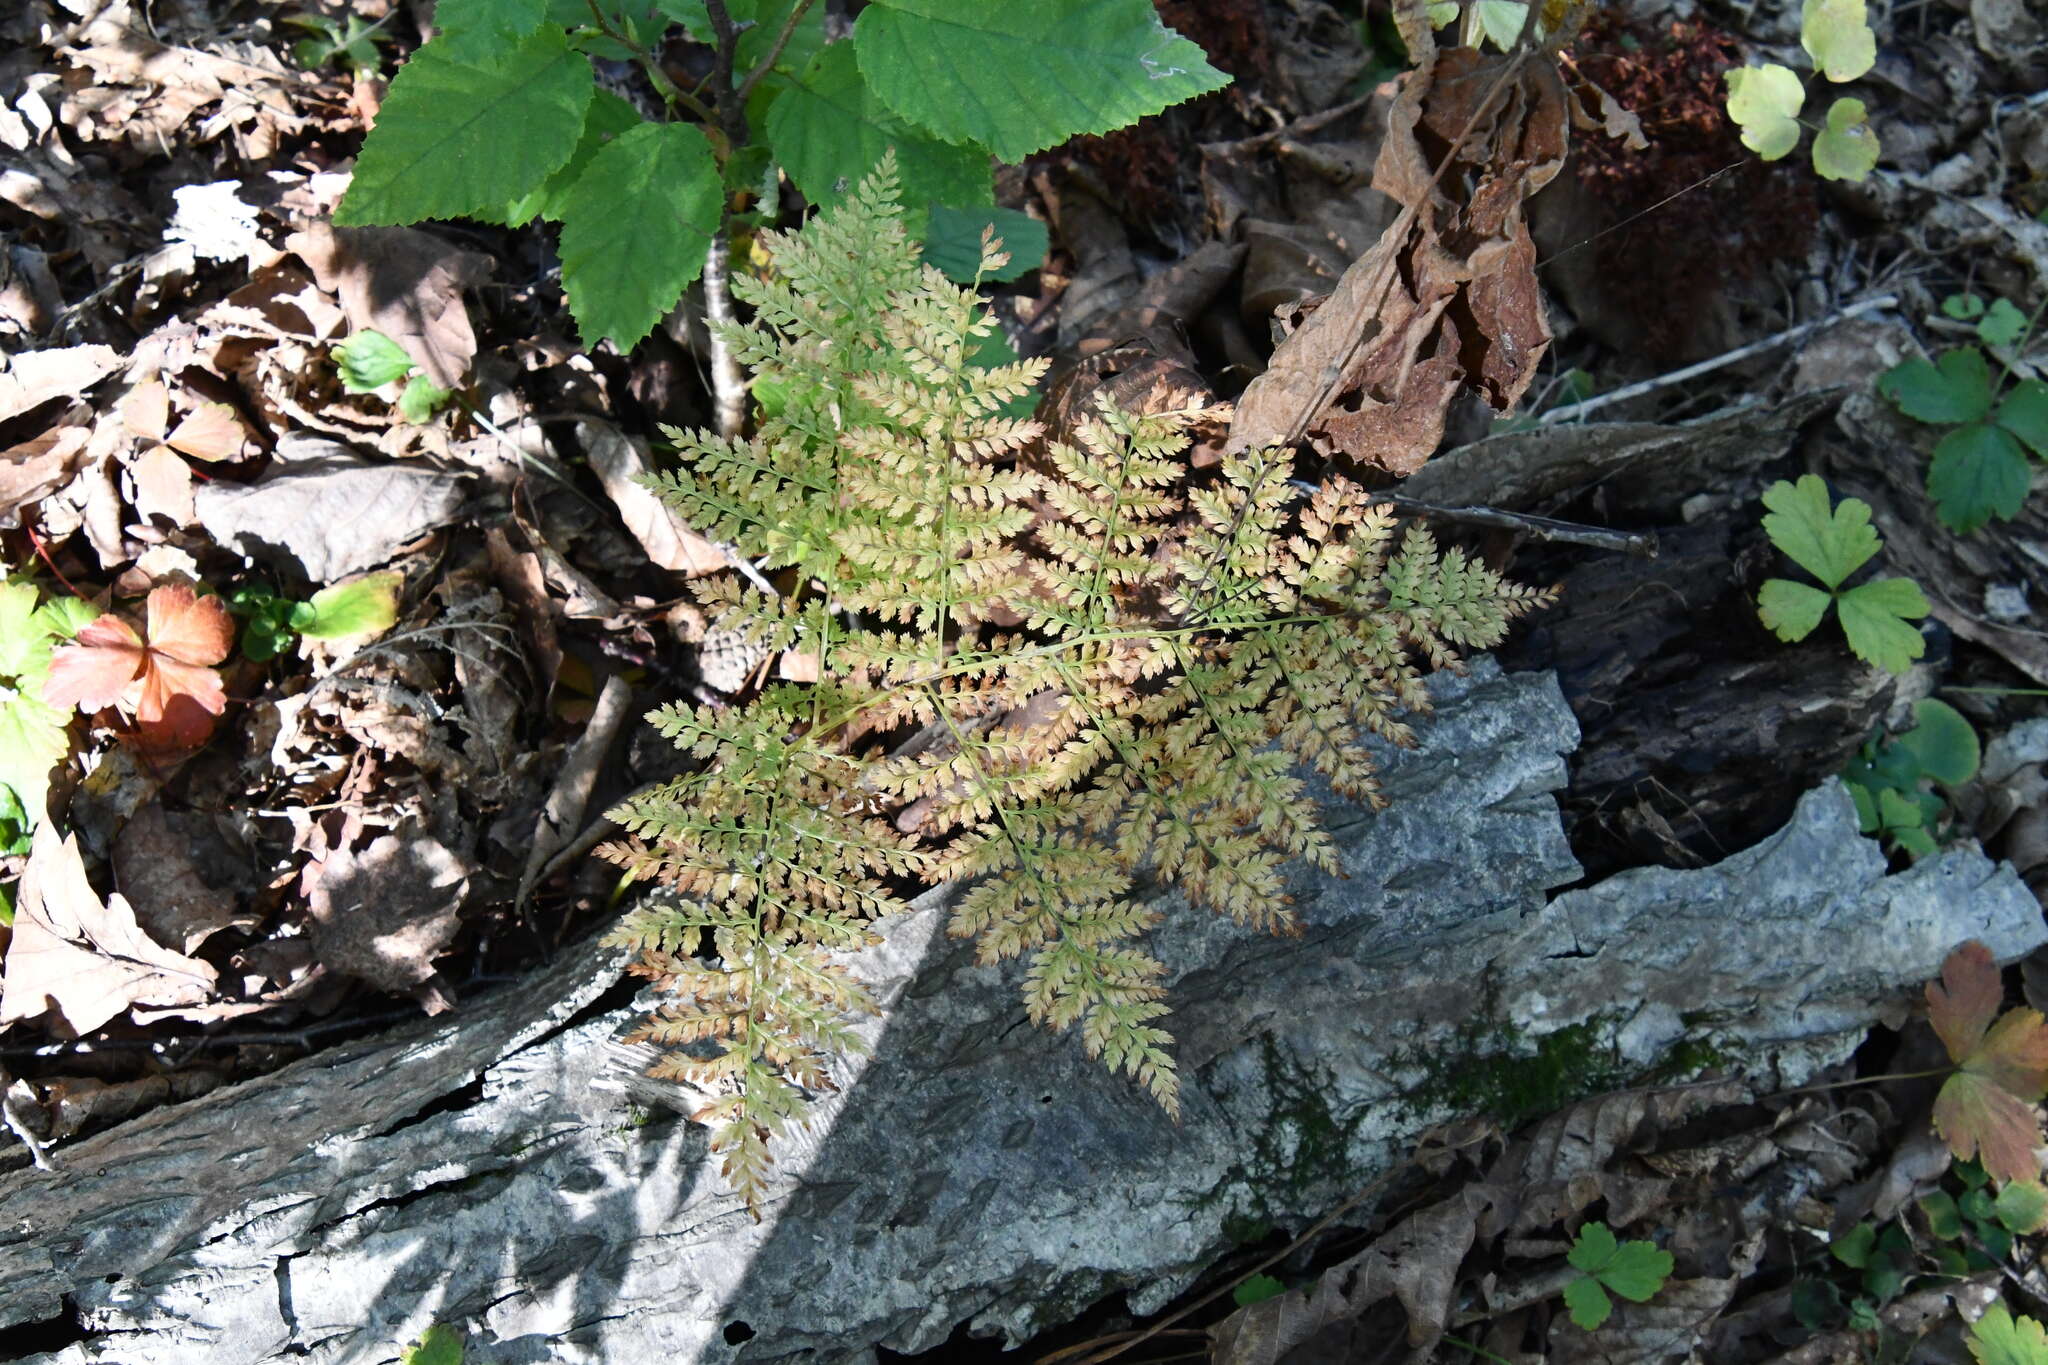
(1876, 617)
(366, 606)
(1791, 610)
(1998, 1338)
(1847, 149)
(1764, 102)
(1836, 34)
(2022, 1206)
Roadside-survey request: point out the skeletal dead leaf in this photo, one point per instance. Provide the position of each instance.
(163, 679)
(385, 913)
(81, 958)
(1987, 1108)
(1447, 298)
(404, 283)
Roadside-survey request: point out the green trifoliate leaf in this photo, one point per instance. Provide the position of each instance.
(1979, 472)
(1829, 543)
(1764, 102)
(829, 129)
(2024, 413)
(1588, 1302)
(1791, 610)
(1942, 742)
(636, 228)
(421, 399)
(1956, 388)
(2002, 325)
(370, 360)
(1017, 78)
(367, 606)
(1637, 1271)
(952, 242)
(1962, 307)
(1593, 1248)
(1836, 34)
(474, 31)
(1847, 149)
(1876, 617)
(607, 117)
(1998, 1338)
(456, 139)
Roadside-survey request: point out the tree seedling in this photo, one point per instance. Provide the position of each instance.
(364, 607)
(369, 360)
(1889, 781)
(1634, 1270)
(1831, 544)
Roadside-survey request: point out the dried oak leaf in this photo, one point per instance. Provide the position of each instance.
(1986, 1109)
(83, 958)
(163, 679)
(1447, 298)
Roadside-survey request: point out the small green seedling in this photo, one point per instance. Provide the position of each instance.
(1997, 1338)
(369, 360)
(1831, 544)
(350, 43)
(1980, 468)
(367, 606)
(1889, 780)
(1257, 1289)
(1634, 1270)
(1764, 101)
(1885, 1258)
(438, 1345)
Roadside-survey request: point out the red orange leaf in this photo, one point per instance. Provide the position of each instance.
(1987, 1108)
(165, 681)
(97, 668)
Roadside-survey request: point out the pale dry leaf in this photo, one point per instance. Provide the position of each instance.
(211, 432)
(385, 913)
(163, 485)
(32, 378)
(81, 958)
(619, 463)
(38, 467)
(404, 283)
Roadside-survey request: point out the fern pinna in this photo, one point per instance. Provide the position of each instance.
(1039, 669)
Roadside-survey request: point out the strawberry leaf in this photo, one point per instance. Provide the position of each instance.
(1588, 1303)
(1956, 388)
(2024, 413)
(2002, 325)
(1979, 472)
(1998, 1339)
(1789, 609)
(165, 681)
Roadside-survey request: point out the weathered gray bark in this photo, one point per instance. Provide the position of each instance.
(976, 1170)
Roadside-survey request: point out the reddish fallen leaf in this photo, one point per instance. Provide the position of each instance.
(212, 432)
(1986, 1109)
(165, 680)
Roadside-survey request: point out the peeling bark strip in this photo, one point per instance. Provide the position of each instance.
(1447, 298)
(467, 1170)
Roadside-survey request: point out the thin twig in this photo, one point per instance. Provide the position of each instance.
(671, 93)
(796, 14)
(1642, 544)
(1598, 401)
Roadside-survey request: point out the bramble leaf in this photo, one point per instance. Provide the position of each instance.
(370, 360)
(1877, 616)
(1791, 610)
(1956, 388)
(1017, 78)
(2024, 413)
(1986, 1109)
(1836, 34)
(1978, 472)
(828, 120)
(460, 140)
(636, 227)
(1847, 149)
(1997, 1338)
(1829, 543)
(952, 242)
(2002, 325)
(1764, 102)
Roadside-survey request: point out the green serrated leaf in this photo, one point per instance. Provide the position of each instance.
(1637, 1271)
(636, 228)
(830, 130)
(952, 242)
(1593, 1248)
(475, 31)
(1791, 610)
(366, 606)
(64, 617)
(1500, 20)
(1853, 1248)
(2022, 1206)
(1588, 1302)
(1978, 472)
(370, 360)
(1944, 1219)
(33, 733)
(455, 139)
(1875, 617)
(1997, 1338)
(1962, 307)
(1257, 1289)
(2002, 325)
(1829, 543)
(1836, 34)
(607, 117)
(2024, 413)
(1847, 149)
(1018, 78)
(421, 399)
(1956, 388)
(1942, 742)
(1866, 806)
(1764, 102)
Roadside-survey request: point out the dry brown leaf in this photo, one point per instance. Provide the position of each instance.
(155, 869)
(39, 467)
(619, 463)
(404, 283)
(385, 913)
(163, 485)
(33, 378)
(212, 432)
(81, 958)
(1447, 298)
